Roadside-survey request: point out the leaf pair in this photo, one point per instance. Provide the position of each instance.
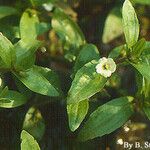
(131, 30)
(85, 84)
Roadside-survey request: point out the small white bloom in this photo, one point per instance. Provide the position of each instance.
(106, 67)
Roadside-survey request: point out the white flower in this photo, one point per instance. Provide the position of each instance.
(106, 67)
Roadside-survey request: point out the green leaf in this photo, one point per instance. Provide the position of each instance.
(7, 11)
(143, 86)
(117, 51)
(143, 66)
(87, 54)
(130, 24)
(12, 99)
(6, 49)
(113, 25)
(144, 2)
(43, 27)
(25, 52)
(28, 142)
(67, 29)
(138, 48)
(76, 113)
(3, 91)
(143, 83)
(146, 109)
(34, 123)
(10, 31)
(107, 118)
(29, 28)
(22, 88)
(40, 80)
(51, 76)
(86, 83)
(147, 48)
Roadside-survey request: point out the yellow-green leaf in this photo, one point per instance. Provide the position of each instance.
(76, 113)
(130, 24)
(28, 142)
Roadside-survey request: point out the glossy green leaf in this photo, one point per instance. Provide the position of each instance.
(143, 66)
(25, 52)
(67, 29)
(29, 28)
(130, 24)
(117, 51)
(34, 123)
(12, 99)
(51, 76)
(6, 49)
(87, 54)
(7, 11)
(113, 25)
(22, 88)
(86, 83)
(28, 142)
(143, 83)
(76, 113)
(138, 48)
(40, 80)
(143, 88)
(107, 118)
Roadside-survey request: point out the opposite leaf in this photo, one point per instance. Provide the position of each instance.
(25, 54)
(86, 83)
(7, 11)
(67, 29)
(6, 49)
(28, 142)
(130, 24)
(117, 51)
(12, 99)
(76, 113)
(113, 25)
(29, 28)
(107, 118)
(40, 80)
(147, 47)
(144, 2)
(143, 66)
(88, 53)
